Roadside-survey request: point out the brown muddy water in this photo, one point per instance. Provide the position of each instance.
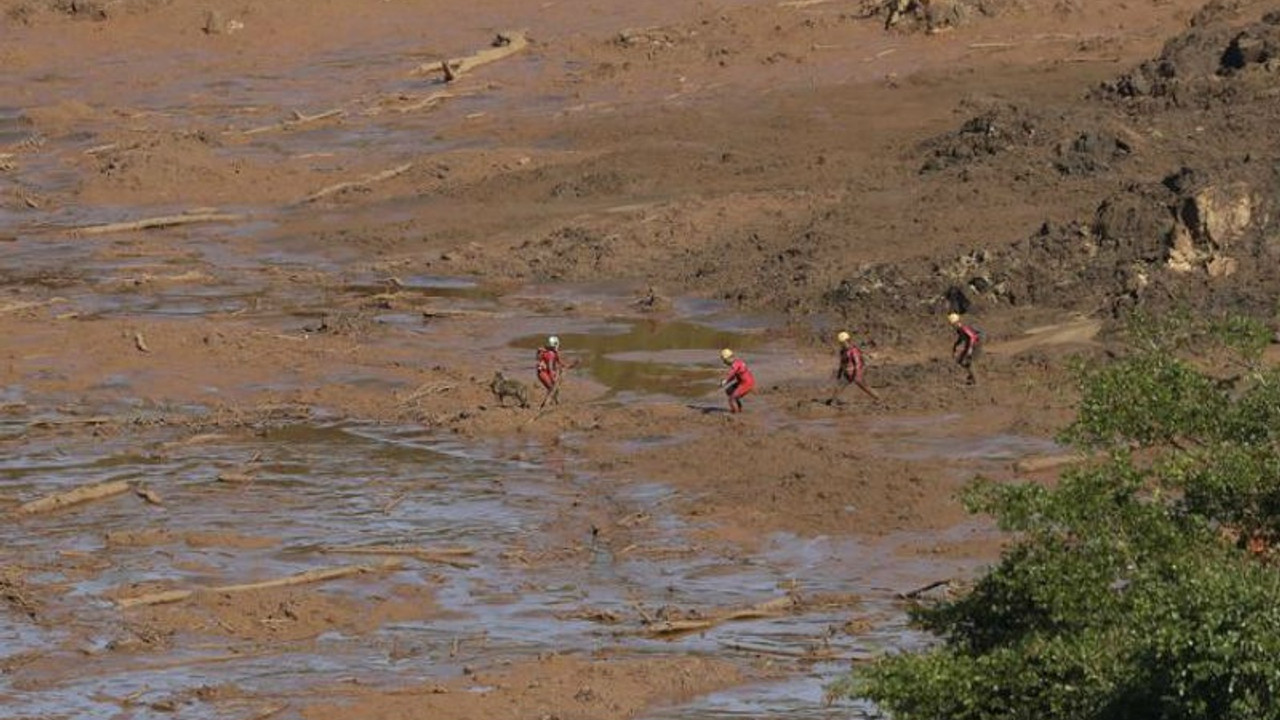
(330, 482)
(322, 485)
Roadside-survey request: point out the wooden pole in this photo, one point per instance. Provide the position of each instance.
(303, 578)
(157, 222)
(77, 496)
(368, 180)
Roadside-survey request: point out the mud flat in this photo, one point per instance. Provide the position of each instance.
(318, 250)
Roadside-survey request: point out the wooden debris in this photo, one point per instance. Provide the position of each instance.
(393, 502)
(140, 343)
(421, 103)
(148, 495)
(101, 148)
(63, 422)
(504, 45)
(427, 389)
(157, 222)
(84, 494)
(1048, 462)
(303, 578)
(363, 182)
(16, 306)
(444, 556)
(296, 121)
(913, 594)
(811, 653)
(271, 712)
(769, 608)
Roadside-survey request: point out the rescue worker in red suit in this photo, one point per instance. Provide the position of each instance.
(739, 382)
(852, 365)
(967, 345)
(550, 367)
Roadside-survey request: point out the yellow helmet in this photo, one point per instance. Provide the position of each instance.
(726, 354)
(842, 336)
(953, 318)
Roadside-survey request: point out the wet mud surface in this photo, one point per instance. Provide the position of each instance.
(259, 264)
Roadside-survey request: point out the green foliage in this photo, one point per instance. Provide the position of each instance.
(1130, 592)
(1148, 399)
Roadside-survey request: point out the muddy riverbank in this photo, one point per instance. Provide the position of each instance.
(259, 264)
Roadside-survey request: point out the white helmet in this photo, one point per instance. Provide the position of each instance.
(726, 354)
(842, 336)
(953, 318)
(553, 341)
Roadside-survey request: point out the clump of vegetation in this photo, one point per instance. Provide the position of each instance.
(1140, 586)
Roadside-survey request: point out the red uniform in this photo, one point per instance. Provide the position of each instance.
(852, 364)
(548, 367)
(739, 382)
(966, 348)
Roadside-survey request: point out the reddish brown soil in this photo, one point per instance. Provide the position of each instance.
(794, 160)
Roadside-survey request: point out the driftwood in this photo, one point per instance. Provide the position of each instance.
(365, 181)
(413, 105)
(504, 45)
(140, 343)
(63, 422)
(444, 556)
(769, 608)
(28, 305)
(83, 494)
(393, 502)
(1048, 462)
(913, 594)
(303, 578)
(297, 120)
(271, 712)
(157, 222)
(148, 495)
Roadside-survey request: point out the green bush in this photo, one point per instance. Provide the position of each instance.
(1132, 589)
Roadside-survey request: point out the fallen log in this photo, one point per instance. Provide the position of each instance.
(504, 45)
(80, 495)
(913, 594)
(157, 222)
(1048, 462)
(363, 182)
(419, 104)
(297, 120)
(444, 556)
(769, 608)
(303, 578)
(148, 495)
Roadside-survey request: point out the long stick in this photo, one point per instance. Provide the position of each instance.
(369, 180)
(513, 42)
(157, 222)
(73, 497)
(444, 556)
(769, 608)
(303, 578)
(297, 120)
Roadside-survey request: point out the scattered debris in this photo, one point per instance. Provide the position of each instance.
(363, 182)
(444, 556)
(303, 578)
(504, 45)
(296, 121)
(157, 222)
(84, 494)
